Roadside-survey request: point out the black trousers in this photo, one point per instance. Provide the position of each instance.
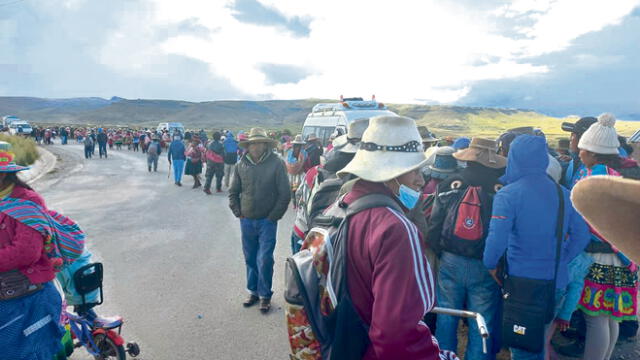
(216, 169)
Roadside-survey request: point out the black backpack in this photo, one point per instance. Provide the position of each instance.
(322, 320)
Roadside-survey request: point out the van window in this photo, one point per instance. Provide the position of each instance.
(322, 132)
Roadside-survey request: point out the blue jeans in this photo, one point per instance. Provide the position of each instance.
(258, 243)
(465, 284)
(102, 149)
(517, 354)
(178, 169)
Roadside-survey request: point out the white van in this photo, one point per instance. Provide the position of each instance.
(172, 127)
(325, 118)
(20, 127)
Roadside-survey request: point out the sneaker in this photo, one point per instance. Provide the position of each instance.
(179, 183)
(265, 305)
(250, 301)
(207, 191)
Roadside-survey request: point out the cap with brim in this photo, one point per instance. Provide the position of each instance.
(391, 146)
(611, 205)
(482, 151)
(580, 126)
(257, 135)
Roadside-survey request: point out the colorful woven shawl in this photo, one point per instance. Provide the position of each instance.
(63, 238)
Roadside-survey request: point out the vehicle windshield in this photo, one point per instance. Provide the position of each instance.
(322, 132)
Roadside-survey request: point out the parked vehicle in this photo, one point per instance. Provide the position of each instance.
(326, 118)
(171, 126)
(8, 119)
(20, 127)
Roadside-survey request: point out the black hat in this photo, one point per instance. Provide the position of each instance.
(580, 126)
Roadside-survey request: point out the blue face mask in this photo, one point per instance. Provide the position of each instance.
(407, 196)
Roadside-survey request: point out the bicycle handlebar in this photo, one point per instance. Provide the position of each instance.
(480, 322)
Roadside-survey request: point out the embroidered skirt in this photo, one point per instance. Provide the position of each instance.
(610, 289)
(30, 326)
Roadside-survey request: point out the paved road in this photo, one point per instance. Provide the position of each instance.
(173, 259)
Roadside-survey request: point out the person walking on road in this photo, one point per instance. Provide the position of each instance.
(88, 147)
(102, 143)
(259, 197)
(215, 164)
(195, 157)
(153, 153)
(230, 157)
(176, 158)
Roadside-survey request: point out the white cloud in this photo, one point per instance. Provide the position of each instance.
(401, 50)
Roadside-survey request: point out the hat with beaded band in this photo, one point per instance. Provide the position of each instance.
(391, 146)
(6, 159)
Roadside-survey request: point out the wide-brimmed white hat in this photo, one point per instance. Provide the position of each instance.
(298, 140)
(348, 143)
(391, 146)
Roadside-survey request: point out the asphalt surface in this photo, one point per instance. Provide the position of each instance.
(172, 256)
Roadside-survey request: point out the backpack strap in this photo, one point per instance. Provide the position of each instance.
(372, 201)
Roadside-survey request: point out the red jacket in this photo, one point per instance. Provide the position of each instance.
(21, 247)
(390, 280)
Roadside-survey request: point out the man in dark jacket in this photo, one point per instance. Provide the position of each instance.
(102, 142)
(524, 219)
(259, 197)
(215, 164)
(463, 281)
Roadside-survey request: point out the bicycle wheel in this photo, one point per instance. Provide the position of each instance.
(108, 349)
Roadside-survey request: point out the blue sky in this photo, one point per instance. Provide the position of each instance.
(560, 57)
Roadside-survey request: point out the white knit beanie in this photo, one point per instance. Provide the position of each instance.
(601, 137)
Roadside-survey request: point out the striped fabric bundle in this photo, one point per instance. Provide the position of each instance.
(63, 238)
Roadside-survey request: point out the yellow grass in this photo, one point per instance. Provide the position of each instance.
(25, 149)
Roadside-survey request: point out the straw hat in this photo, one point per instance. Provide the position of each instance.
(483, 151)
(348, 143)
(312, 137)
(391, 146)
(257, 135)
(612, 206)
(298, 140)
(7, 164)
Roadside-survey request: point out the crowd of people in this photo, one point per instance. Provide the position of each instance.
(477, 224)
(486, 225)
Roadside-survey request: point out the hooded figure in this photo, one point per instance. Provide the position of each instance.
(524, 222)
(230, 157)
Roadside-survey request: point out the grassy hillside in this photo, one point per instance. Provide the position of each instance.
(275, 114)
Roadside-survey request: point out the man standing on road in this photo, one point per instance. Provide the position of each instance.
(153, 153)
(259, 197)
(176, 157)
(102, 143)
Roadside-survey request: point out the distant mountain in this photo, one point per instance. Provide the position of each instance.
(444, 120)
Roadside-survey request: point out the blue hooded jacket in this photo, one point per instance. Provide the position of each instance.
(524, 217)
(176, 150)
(230, 144)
